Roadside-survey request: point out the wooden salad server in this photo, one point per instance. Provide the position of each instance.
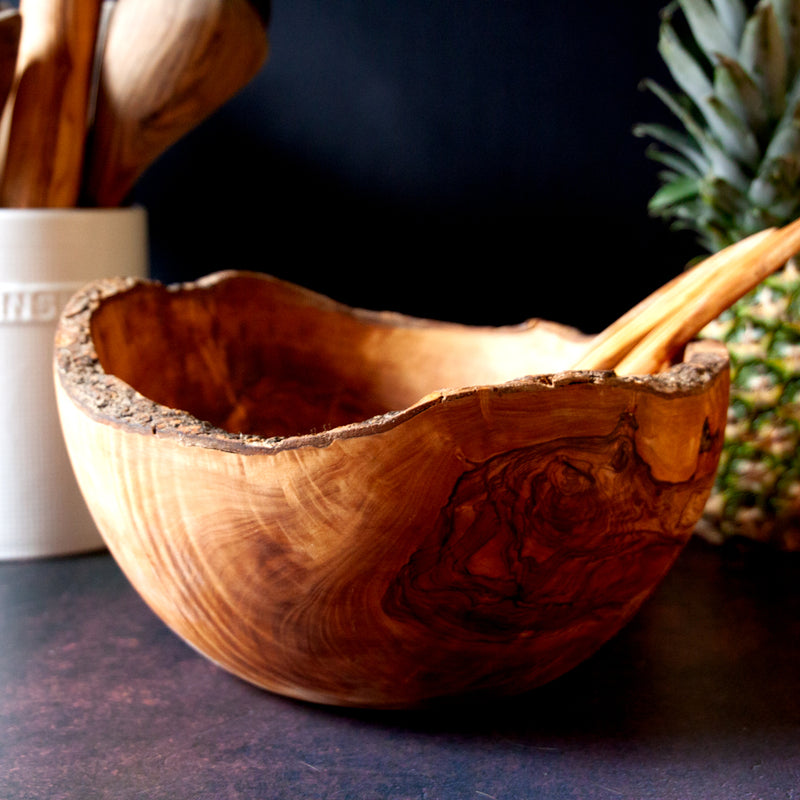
(165, 67)
(48, 104)
(648, 336)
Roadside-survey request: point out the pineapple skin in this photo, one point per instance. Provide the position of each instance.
(757, 490)
(731, 168)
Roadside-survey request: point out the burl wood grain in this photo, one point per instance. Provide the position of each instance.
(464, 530)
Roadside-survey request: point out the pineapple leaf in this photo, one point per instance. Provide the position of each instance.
(737, 89)
(668, 176)
(677, 164)
(786, 136)
(732, 165)
(732, 15)
(722, 197)
(710, 240)
(709, 207)
(713, 229)
(686, 72)
(735, 139)
(763, 55)
(787, 13)
(785, 141)
(677, 141)
(792, 98)
(721, 163)
(762, 193)
(678, 191)
(735, 136)
(707, 28)
(775, 187)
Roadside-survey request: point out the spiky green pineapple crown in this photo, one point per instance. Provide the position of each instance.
(734, 167)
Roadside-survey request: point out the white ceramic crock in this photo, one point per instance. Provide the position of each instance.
(45, 256)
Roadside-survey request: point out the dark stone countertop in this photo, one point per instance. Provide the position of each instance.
(699, 697)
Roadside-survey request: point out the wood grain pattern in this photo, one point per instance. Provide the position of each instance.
(396, 511)
(655, 329)
(165, 68)
(10, 30)
(47, 110)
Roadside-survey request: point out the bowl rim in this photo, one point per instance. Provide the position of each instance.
(109, 400)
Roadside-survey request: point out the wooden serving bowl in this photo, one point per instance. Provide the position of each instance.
(365, 509)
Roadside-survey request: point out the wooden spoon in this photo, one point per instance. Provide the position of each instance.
(48, 103)
(165, 68)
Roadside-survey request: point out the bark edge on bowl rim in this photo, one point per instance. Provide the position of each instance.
(479, 539)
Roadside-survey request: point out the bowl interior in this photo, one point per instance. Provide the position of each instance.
(254, 355)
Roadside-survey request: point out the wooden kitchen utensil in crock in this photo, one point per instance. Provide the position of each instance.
(366, 509)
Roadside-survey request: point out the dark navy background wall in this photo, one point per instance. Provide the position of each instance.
(467, 160)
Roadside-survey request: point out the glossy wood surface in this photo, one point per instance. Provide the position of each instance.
(48, 108)
(165, 68)
(10, 30)
(364, 509)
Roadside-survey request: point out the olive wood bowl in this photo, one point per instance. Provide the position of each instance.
(366, 509)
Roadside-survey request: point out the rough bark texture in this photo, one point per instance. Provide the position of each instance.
(363, 509)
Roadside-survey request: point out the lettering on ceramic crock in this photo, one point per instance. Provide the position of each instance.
(25, 304)
(536, 540)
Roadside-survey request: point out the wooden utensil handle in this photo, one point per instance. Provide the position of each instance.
(708, 300)
(48, 103)
(166, 66)
(610, 346)
(10, 31)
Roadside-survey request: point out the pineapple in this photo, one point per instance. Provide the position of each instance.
(730, 168)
